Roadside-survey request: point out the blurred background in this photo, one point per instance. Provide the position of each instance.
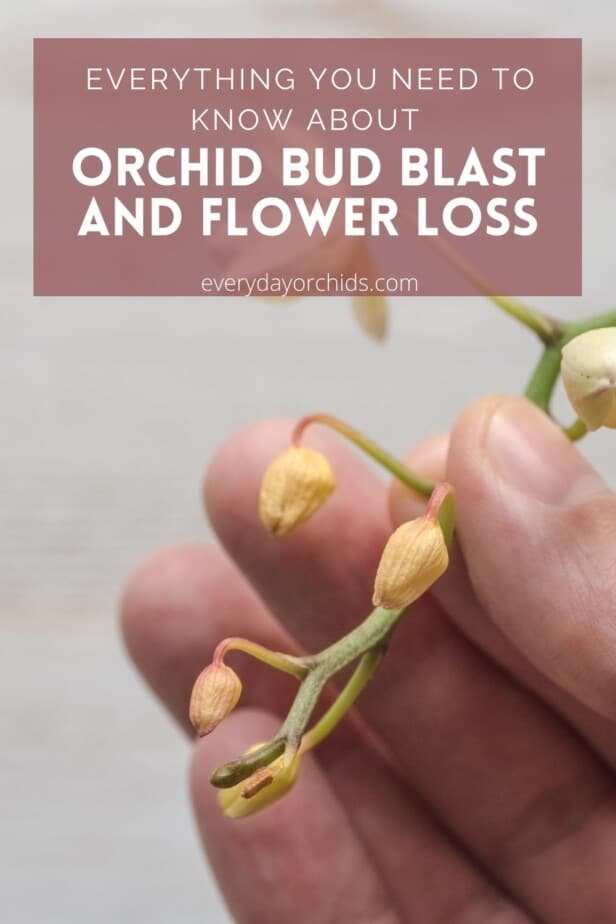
(110, 410)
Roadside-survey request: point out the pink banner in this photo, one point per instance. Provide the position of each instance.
(305, 166)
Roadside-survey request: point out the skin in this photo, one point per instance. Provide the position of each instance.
(476, 782)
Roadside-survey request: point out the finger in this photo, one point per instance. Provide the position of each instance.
(429, 459)
(532, 757)
(456, 594)
(306, 844)
(537, 529)
(503, 773)
(298, 860)
(430, 877)
(174, 611)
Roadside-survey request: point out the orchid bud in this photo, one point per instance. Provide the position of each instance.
(370, 312)
(266, 786)
(589, 375)
(413, 559)
(295, 485)
(214, 695)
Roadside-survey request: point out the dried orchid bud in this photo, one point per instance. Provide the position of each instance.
(215, 694)
(589, 375)
(295, 485)
(413, 559)
(371, 314)
(265, 786)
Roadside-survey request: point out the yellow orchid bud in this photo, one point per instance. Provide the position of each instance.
(266, 786)
(371, 314)
(413, 559)
(589, 375)
(215, 694)
(295, 485)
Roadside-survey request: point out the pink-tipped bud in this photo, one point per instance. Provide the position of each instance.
(413, 559)
(215, 694)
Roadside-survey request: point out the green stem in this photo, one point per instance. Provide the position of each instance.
(400, 471)
(547, 329)
(281, 662)
(576, 431)
(303, 705)
(233, 772)
(543, 381)
(608, 319)
(372, 631)
(369, 634)
(336, 712)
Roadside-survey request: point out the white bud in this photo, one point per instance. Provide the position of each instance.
(589, 375)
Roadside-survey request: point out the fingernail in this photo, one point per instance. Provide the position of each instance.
(529, 452)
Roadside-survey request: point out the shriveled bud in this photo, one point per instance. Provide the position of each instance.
(371, 314)
(295, 485)
(589, 375)
(413, 559)
(214, 695)
(265, 786)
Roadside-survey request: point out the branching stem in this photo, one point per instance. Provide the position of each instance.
(370, 636)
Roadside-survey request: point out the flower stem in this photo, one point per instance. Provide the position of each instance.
(370, 634)
(276, 659)
(400, 471)
(608, 319)
(543, 380)
(235, 771)
(442, 505)
(576, 431)
(548, 329)
(339, 708)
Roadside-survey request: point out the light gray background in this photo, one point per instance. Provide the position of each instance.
(109, 412)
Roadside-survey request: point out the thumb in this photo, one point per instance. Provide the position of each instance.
(537, 527)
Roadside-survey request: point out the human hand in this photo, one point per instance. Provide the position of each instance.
(477, 783)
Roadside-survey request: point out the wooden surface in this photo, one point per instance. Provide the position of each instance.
(110, 410)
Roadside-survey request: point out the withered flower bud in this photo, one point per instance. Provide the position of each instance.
(589, 375)
(371, 314)
(295, 485)
(413, 559)
(263, 788)
(215, 694)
